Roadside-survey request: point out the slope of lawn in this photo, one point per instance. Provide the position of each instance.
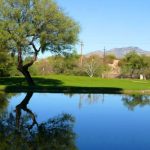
(80, 81)
(56, 82)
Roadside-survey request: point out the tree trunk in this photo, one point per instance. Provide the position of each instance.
(27, 75)
(24, 68)
(23, 106)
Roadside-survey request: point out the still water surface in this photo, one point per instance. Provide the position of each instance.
(85, 121)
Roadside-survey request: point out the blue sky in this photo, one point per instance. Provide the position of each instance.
(111, 23)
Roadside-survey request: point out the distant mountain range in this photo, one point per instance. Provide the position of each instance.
(119, 52)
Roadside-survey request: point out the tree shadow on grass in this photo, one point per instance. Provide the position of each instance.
(47, 82)
(72, 89)
(45, 85)
(20, 81)
(12, 81)
(65, 89)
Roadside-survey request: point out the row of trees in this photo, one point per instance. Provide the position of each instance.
(131, 66)
(71, 65)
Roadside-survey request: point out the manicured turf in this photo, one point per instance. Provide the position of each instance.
(78, 83)
(126, 84)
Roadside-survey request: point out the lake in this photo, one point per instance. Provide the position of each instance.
(48, 121)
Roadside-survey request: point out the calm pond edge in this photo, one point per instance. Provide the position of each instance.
(72, 89)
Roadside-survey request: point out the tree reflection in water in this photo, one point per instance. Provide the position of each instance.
(19, 131)
(131, 101)
(4, 100)
(88, 98)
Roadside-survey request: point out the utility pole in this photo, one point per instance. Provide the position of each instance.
(104, 54)
(81, 58)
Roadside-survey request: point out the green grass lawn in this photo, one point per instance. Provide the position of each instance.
(77, 83)
(126, 84)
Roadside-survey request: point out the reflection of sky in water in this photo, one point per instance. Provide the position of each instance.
(102, 121)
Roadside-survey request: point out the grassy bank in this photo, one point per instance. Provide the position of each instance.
(63, 83)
